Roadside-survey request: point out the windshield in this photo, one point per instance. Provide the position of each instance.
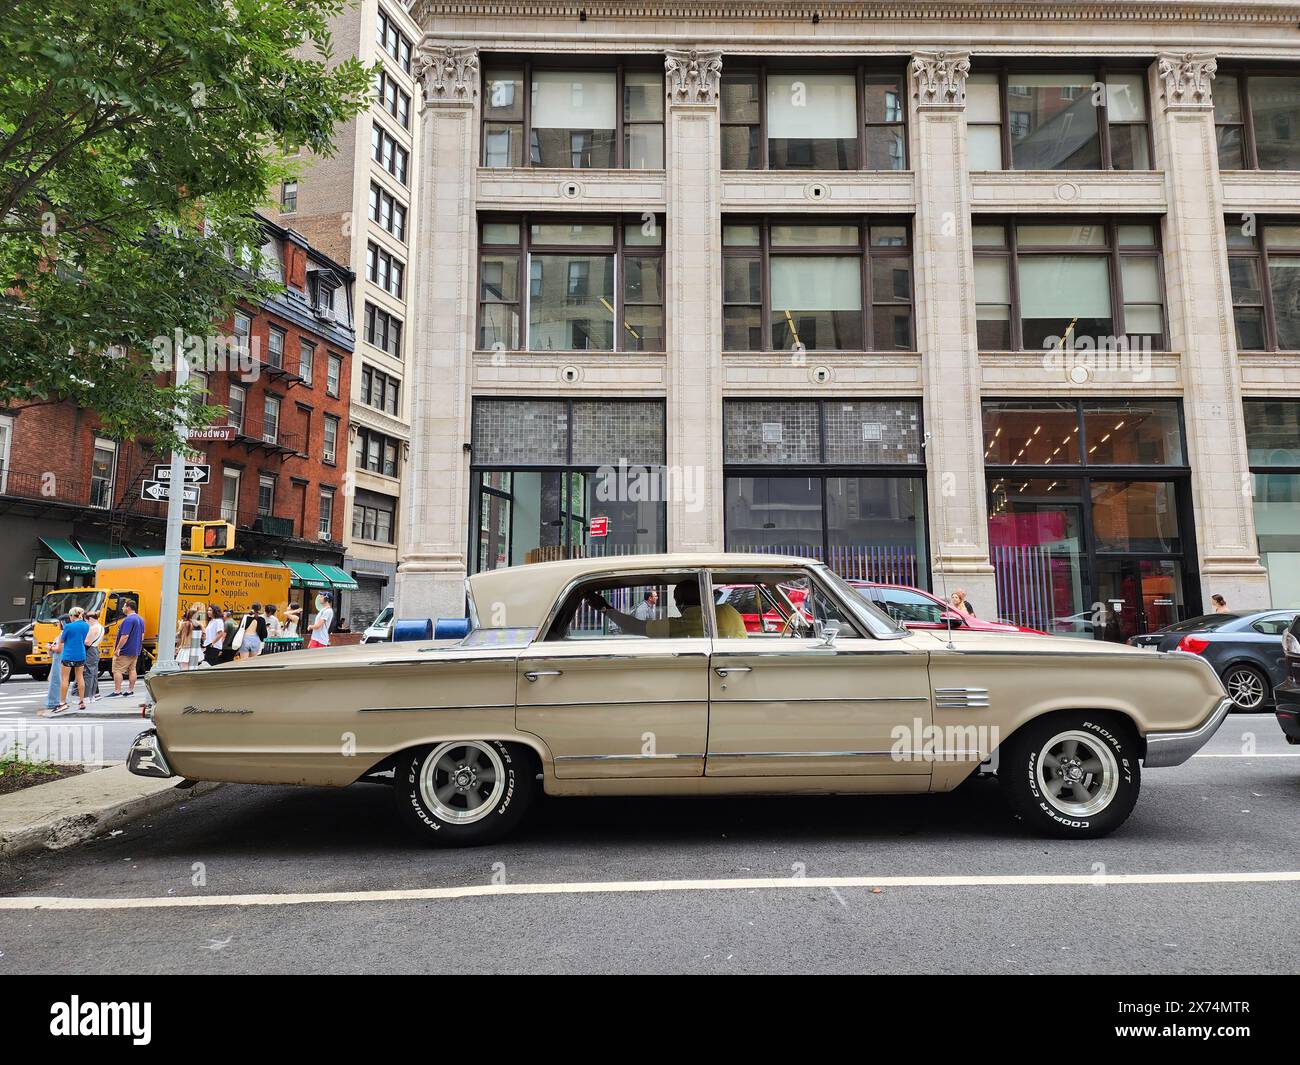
(905, 606)
(880, 623)
(12, 628)
(58, 603)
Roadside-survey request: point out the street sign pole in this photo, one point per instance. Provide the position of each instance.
(169, 608)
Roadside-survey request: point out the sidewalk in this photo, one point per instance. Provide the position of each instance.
(69, 811)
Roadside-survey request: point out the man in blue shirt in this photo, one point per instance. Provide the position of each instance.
(130, 642)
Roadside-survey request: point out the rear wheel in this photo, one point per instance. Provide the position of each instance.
(1248, 687)
(1073, 775)
(6, 668)
(464, 792)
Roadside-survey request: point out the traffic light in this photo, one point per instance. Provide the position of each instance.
(211, 537)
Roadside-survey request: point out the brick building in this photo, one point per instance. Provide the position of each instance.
(70, 495)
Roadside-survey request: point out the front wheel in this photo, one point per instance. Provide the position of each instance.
(40, 673)
(1072, 775)
(463, 793)
(6, 668)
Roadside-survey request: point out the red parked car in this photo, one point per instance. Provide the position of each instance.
(916, 609)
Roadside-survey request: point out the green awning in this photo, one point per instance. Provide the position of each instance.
(340, 578)
(305, 575)
(68, 555)
(96, 551)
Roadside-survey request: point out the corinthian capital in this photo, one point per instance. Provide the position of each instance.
(1185, 78)
(940, 78)
(694, 75)
(448, 73)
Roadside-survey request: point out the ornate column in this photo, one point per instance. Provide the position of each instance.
(946, 338)
(694, 295)
(1199, 298)
(435, 499)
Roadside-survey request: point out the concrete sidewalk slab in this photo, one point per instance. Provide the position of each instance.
(74, 809)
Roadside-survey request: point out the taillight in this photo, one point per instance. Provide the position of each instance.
(1193, 645)
(1290, 645)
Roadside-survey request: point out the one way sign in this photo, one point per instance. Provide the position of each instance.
(161, 490)
(194, 473)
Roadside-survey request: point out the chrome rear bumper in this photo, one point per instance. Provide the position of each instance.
(146, 758)
(1174, 748)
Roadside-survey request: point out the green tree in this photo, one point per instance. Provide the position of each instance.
(136, 139)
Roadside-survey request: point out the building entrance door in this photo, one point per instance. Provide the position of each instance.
(1136, 595)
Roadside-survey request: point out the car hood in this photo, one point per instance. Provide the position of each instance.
(989, 641)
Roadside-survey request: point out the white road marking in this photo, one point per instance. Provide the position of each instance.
(1261, 754)
(615, 887)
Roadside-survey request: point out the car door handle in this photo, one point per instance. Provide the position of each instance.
(722, 671)
(534, 674)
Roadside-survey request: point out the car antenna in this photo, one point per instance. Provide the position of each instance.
(943, 573)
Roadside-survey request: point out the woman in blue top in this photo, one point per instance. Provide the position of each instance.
(73, 641)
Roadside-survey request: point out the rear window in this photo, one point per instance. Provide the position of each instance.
(1204, 623)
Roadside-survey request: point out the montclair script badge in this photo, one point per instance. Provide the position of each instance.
(212, 710)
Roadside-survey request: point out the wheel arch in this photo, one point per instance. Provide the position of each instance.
(539, 755)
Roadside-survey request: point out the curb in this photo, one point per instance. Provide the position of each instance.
(73, 810)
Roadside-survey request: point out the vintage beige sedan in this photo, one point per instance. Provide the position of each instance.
(620, 676)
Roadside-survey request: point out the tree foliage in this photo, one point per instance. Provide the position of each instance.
(136, 139)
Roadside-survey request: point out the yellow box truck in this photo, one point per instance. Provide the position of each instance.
(229, 583)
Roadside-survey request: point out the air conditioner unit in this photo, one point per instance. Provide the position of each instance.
(326, 314)
(322, 535)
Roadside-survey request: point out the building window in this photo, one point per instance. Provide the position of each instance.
(595, 285)
(325, 529)
(6, 444)
(103, 473)
(1257, 119)
(789, 120)
(392, 98)
(384, 331)
(271, 419)
(385, 151)
(573, 119)
(839, 481)
(1082, 283)
(388, 211)
(235, 407)
(372, 517)
(1273, 450)
(379, 390)
(306, 360)
(384, 269)
(243, 332)
(330, 451)
(275, 347)
(1088, 502)
(544, 471)
(1264, 265)
(377, 452)
(230, 495)
(265, 496)
(288, 196)
(393, 41)
(816, 284)
(333, 375)
(1025, 119)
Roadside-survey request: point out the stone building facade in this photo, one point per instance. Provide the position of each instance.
(997, 296)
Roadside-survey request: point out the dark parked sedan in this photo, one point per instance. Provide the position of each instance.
(15, 646)
(1244, 647)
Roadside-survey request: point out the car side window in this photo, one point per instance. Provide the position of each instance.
(774, 604)
(1271, 626)
(636, 606)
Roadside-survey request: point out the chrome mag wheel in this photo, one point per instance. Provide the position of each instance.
(1078, 773)
(461, 782)
(1246, 687)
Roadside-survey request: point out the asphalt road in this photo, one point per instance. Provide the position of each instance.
(103, 733)
(1235, 808)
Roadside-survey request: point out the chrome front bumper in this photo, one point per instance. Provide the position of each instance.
(146, 758)
(1174, 748)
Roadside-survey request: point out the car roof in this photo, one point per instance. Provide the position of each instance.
(522, 596)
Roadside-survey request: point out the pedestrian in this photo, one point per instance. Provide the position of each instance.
(320, 626)
(214, 636)
(126, 652)
(73, 643)
(231, 625)
(56, 669)
(648, 608)
(292, 615)
(1220, 604)
(93, 637)
(273, 627)
(960, 603)
(253, 632)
